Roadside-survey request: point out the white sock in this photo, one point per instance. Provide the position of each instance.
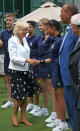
(63, 122)
(31, 103)
(45, 109)
(36, 105)
(59, 120)
(54, 113)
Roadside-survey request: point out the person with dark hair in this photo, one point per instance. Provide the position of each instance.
(32, 40)
(74, 66)
(33, 23)
(53, 28)
(66, 48)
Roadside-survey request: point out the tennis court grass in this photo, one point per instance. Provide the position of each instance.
(5, 115)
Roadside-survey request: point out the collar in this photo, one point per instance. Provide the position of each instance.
(30, 37)
(68, 27)
(79, 39)
(9, 30)
(43, 36)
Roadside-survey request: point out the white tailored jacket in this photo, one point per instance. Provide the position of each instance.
(18, 54)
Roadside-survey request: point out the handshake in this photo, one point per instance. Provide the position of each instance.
(32, 61)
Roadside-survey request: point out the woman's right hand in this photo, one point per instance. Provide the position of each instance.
(32, 61)
(35, 61)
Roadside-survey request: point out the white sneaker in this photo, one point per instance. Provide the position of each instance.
(54, 123)
(51, 118)
(19, 109)
(41, 112)
(34, 110)
(61, 127)
(29, 107)
(8, 104)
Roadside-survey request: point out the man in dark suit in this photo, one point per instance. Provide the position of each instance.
(66, 48)
(74, 65)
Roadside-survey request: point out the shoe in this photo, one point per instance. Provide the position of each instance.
(29, 107)
(61, 127)
(41, 112)
(19, 109)
(26, 123)
(34, 110)
(54, 123)
(14, 121)
(8, 104)
(51, 118)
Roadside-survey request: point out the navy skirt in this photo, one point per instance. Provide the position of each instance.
(56, 77)
(45, 71)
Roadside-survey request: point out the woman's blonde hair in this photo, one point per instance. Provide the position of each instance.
(44, 20)
(19, 27)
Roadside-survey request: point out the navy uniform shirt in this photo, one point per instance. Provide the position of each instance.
(44, 43)
(33, 44)
(54, 50)
(1, 48)
(5, 36)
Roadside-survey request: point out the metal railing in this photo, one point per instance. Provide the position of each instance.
(2, 24)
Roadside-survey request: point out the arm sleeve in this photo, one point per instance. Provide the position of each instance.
(13, 55)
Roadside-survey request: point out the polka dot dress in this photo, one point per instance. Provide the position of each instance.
(22, 84)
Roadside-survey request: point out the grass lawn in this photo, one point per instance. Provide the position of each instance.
(5, 115)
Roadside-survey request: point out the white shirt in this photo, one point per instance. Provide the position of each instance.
(18, 54)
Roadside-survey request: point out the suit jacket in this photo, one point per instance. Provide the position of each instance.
(78, 98)
(68, 45)
(18, 54)
(74, 69)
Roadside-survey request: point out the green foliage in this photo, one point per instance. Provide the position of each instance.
(5, 115)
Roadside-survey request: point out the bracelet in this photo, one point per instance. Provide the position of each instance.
(42, 61)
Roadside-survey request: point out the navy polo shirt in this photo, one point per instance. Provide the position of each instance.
(5, 36)
(44, 46)
(55, 48)
(33, 44)
(1, 48)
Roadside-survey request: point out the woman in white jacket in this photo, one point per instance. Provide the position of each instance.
(19, 71)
